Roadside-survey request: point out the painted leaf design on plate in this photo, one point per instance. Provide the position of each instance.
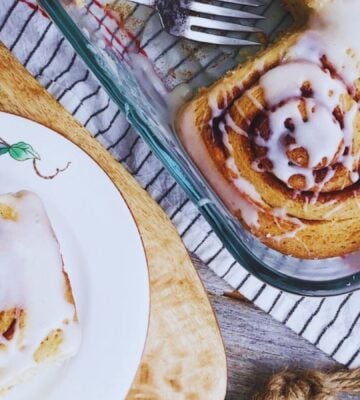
(4, 148)
(23, 151)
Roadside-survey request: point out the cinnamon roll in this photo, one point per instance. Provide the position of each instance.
(38, 318)
(279, 137)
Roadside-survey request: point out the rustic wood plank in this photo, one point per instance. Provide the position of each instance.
(257, 345)
(184, 355)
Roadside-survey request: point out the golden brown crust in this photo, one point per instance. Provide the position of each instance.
(8, 213)
(13, 322)
(324, 228)
(50, 346)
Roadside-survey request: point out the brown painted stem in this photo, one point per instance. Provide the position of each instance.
(56, 173)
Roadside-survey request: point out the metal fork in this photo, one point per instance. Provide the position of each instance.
(180, 17)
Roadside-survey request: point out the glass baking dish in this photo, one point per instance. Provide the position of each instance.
(149, 73)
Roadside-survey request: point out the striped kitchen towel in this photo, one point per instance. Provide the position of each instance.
(332, 324)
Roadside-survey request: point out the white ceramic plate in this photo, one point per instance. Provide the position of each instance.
(103, 255)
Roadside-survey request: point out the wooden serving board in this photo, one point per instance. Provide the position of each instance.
(184, 355)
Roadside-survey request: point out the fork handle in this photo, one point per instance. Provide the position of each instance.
(150, 3)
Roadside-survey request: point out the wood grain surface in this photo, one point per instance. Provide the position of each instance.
(256, 345)
(184, 356)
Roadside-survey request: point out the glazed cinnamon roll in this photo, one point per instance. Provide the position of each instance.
(38, 317)
(279, 138)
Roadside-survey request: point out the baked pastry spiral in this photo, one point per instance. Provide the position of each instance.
(38, 317)
(279, 138)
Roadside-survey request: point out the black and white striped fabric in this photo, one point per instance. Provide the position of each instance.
(332, 324)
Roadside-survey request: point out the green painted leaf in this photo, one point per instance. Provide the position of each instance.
(23, 151)
(4, 149)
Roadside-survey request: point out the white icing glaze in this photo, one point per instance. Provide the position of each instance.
(31, 279)
(285, 81)
(320, 134)
(255, 102)
(244, 186)
(216, 111)
(333, 32)
(242, 113)
(236, 194)
(231, 124)
(324, 135)
(333, 211)
(250, 210)
(228, 191)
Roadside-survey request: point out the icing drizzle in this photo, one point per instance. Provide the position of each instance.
(304, 133)
(33, 283)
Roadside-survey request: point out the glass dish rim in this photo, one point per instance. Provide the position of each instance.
(210, 212)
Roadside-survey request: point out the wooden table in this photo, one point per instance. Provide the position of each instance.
(257, 345)
(180, 315)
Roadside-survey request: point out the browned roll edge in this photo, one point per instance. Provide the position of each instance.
(337, 235)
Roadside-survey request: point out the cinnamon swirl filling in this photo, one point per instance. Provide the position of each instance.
(279, 140)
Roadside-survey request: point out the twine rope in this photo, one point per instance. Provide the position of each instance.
(311, 385)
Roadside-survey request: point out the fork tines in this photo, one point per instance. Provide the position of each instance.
(208, 22)
(221, 11)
